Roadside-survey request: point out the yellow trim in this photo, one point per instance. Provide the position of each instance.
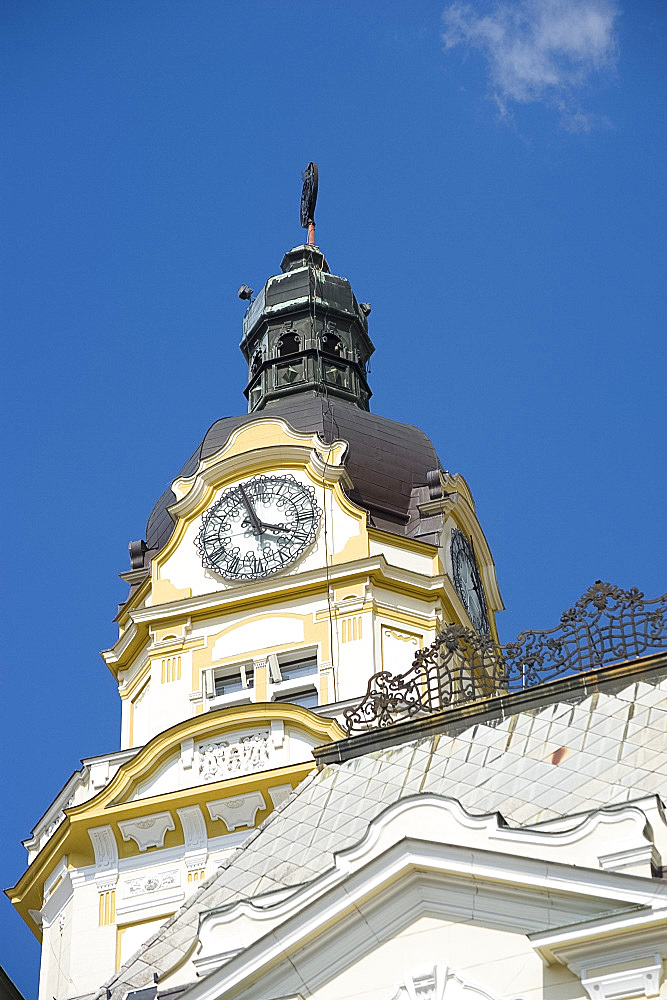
(52, 889)
(130, 689)
(402, 542)
(114, 803)
(261, 682)
(315, 634)
(271, 594)
(120, 930)
(164, 592)
(107, 908)
(170, 668)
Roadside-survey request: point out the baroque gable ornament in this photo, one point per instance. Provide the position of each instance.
(222, 759)
(439, 982)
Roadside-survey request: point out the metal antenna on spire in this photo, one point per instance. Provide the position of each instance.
(308, 200)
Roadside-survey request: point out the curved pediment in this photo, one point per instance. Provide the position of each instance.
(242, 726)
(254, 447)
(221, 772)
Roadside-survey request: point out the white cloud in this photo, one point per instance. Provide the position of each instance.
(539, 50)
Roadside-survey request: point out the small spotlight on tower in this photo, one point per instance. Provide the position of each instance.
(245, 292)
(365, 308)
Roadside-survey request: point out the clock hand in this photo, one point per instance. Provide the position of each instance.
(255, 522)
(273, 527)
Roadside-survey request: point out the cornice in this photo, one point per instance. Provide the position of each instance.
(265, 592)
(403, 542)
(572, 944)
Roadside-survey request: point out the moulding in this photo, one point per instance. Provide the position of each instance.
(160, 903)
(644, 856)
(630, 983)
(147, 831)
(609, 973)
(280, 794)
(104, 848)
(196, 837)
(237, 810)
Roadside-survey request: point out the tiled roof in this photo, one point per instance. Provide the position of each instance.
(592, 751)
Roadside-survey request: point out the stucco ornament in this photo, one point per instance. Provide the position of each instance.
(148, 831)
(439, 982)
(221, 759)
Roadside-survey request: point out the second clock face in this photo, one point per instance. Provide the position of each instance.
(258, 527)
(468, 582)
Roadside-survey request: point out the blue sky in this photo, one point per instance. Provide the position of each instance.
(491, 180)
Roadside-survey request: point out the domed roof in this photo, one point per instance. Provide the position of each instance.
(393, 466)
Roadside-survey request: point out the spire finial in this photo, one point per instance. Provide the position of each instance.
(308, 200)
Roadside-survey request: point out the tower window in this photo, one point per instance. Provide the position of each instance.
(306, 697)
(294, 678)
(289, 343)
(336, 375)
(233, 680)
(297, 667)
(332, 344)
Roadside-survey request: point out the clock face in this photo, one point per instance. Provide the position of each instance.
(258, 527)
(468, 582)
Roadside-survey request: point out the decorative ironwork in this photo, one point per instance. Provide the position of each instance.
(606, 625)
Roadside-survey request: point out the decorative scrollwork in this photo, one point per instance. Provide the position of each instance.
(222, 759)
(606, 625)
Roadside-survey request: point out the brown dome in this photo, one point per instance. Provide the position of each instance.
(393, 466)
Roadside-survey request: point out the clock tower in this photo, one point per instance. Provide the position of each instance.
(306, 544)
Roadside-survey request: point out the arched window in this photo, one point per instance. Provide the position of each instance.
(332, 344)
(289, 343)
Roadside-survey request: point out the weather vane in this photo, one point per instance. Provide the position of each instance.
(308, 200)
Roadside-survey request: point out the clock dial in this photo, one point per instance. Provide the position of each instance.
(468, 582)
(258, 527)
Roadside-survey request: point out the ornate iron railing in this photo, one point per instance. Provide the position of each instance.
(606, 625)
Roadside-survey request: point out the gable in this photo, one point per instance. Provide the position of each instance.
(392, 879)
